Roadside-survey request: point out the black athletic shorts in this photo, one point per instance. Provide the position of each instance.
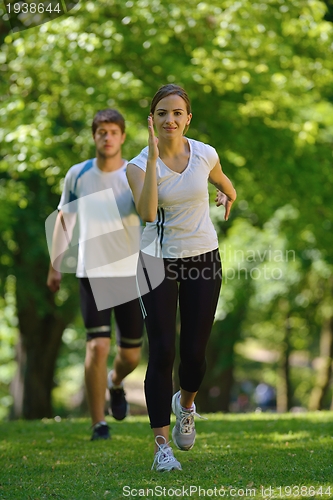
(128, 316)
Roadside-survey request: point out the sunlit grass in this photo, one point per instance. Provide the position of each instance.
(233, 453)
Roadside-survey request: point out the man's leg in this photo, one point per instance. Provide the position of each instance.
(97, 352)
(98, 331)
(129, 329)
(126, 360)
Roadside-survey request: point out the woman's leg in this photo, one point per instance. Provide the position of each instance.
(161, 306)
(199, 290)
(198, 296)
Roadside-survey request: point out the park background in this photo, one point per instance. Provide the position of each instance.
(260, 75)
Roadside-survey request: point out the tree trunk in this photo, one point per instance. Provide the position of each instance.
(41, 320)
(283, 393)
(215, 392)
(17, 384)
(37, 351)
(215, 396)
(325, 369)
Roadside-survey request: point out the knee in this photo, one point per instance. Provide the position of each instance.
(98, 349)
(163, 357)
(130, 356)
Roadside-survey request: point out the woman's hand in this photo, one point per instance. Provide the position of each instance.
(153, 151)
(144, 184)
(222, 199)
(226, 193)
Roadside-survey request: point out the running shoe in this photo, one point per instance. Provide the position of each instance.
(118, 403)
(100, 431)
(164, 460)
(183, 433)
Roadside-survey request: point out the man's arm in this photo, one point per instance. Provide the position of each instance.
(62, 235)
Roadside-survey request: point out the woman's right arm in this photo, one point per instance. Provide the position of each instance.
(144, 184)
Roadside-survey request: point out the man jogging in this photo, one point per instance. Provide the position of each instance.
(96, 193)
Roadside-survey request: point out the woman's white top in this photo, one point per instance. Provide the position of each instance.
(182, 227)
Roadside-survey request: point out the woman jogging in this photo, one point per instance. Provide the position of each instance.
(169, 184)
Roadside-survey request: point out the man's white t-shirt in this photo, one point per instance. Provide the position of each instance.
(109, 226)
(182, 227)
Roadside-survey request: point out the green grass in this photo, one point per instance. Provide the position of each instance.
(55, 460)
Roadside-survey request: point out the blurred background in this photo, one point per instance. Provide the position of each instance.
(260, 76)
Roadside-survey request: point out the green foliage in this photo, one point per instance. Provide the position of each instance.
(260, 78)
(267, 281)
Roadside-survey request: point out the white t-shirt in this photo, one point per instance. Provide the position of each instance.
(109, 226)
(182, 227)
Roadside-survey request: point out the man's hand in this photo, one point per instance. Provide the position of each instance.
(53, 280)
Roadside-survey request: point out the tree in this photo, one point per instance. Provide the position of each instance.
(41, 317)
(260, 78)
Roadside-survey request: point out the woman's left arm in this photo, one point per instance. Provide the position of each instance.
(223, 184)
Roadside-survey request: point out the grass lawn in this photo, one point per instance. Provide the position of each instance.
(235, 456)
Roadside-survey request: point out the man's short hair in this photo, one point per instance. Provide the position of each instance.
(108, 116)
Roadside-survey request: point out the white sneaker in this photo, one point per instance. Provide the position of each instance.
(164, 460)
(183, 433)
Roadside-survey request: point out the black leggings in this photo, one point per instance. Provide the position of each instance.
(197, 282)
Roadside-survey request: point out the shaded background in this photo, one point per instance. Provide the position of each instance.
(260, 75)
